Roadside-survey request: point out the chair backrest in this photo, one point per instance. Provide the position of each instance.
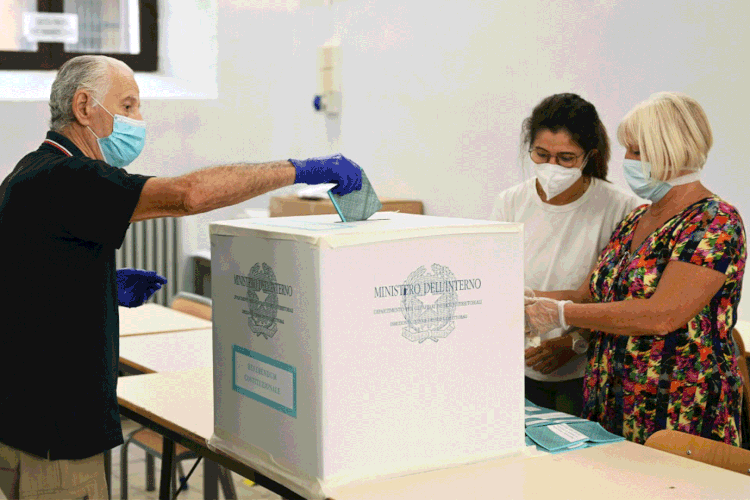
(191, 303)
(742, 361)
(702, 449)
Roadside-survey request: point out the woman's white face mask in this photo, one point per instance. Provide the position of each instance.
(555, 179)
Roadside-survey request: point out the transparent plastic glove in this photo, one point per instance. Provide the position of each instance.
(531, 340)
(136, 286)
(333, 168)
(543, 315)
(528, 295)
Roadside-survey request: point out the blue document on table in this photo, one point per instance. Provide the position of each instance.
(357, 205)
(556, 432)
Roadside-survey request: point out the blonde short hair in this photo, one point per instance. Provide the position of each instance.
(671, 131)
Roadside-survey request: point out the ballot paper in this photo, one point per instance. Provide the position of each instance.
(357, 205)
(556, 437)
(555, 432)
(549, 418)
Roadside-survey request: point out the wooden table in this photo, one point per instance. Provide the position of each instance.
(155, 318)
(179, 405)
(622, 470)
(166, 352)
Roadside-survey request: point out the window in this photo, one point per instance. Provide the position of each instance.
(123, 29)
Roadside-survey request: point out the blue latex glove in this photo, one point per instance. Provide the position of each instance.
(333, 168)
(135, 286)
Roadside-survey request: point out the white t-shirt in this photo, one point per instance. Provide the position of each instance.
(563, 242)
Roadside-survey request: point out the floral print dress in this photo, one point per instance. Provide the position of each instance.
(687, 380)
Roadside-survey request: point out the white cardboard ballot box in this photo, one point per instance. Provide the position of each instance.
(345, 352)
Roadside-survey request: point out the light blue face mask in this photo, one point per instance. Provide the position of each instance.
(125, 142)
(648, 188)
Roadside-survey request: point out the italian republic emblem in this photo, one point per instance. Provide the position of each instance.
(426, 320)
(262, 319)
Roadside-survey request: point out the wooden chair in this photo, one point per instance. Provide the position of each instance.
(702, 449)
(151, 442)
(742, 361)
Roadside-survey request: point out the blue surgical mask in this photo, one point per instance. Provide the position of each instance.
(648, 188)
(125, 142)
(643, 186)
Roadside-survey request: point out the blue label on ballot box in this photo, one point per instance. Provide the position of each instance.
(265, 380)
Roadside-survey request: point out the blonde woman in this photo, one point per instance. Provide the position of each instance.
(662, 299)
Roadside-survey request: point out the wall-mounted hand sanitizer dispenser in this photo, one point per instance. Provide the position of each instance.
(328, 98)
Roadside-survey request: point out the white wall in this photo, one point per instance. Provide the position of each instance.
(434, 92)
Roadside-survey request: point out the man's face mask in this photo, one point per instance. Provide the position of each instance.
(126, 141)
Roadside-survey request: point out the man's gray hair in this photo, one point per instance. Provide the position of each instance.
(83, 72)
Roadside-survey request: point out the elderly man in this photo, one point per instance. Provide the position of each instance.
(63, 211)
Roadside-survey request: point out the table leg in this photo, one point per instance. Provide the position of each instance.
(150, 466)
(167, 457)
(210, 479)
(227, 484)
(108, 471)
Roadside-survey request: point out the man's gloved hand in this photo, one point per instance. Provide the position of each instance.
(135, 286)
(333, 168)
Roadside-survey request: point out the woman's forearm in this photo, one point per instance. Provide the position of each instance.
(684, 289)
(573, 295)
(629, 317)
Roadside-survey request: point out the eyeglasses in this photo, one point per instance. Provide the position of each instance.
(563, 159)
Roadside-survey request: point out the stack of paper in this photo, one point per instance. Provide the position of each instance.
(555, 432)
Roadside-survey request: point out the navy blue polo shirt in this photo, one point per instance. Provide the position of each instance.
(62, 215)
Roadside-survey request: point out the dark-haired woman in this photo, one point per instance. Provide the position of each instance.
(569, 211)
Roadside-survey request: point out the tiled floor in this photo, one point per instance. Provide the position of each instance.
(137, 477)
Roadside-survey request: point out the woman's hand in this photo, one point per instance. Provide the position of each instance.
(543, 315)
(550, 355)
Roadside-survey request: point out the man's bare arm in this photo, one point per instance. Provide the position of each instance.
(211, 188)
(226, 185)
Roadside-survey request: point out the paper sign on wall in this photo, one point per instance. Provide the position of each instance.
(50, 27)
